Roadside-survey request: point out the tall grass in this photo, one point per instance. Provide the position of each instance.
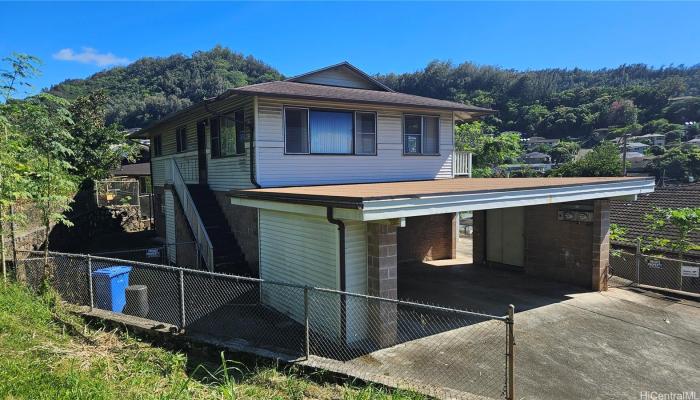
(48, 353)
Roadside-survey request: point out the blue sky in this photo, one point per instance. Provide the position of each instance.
(76, 40)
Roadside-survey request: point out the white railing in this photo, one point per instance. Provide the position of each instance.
(206, 249)
(462, 163)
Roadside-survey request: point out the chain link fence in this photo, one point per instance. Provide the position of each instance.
(183, 254)
(441, 352)
(650, 270)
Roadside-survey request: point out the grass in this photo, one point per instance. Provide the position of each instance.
(49, 353)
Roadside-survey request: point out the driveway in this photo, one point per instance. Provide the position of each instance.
(570, 344)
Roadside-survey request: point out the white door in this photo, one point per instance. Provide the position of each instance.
(505, 236)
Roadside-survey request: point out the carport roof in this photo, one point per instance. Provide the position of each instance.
(395, 199)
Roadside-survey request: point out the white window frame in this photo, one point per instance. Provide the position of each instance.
(422, 135)
(355, 132)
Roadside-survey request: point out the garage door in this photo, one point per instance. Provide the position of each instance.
(505, 236)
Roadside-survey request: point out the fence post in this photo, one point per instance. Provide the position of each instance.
(510, 395)
(182, 300)
(306, 322)
(92, 294)
(637, 259)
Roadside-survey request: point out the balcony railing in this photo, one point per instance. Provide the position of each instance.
(462, 163)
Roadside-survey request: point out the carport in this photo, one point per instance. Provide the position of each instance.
(548, 228)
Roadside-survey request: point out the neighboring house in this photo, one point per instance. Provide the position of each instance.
(656, 139)
(536, 157)
(635, 147)
(331, 179)
(693, 142)
(630, 215)
(140, 172)
(535, 141)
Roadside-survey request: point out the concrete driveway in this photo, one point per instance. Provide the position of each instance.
(572, 344)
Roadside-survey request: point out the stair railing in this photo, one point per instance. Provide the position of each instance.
(462, 162)
(206, 249)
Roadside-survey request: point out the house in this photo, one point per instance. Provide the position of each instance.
(693, 142)
(635, 147)
(630, 215)
(536, 157)
(331, 179)
(535, 141)
(656, 139)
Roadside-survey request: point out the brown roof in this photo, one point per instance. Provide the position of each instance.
(321, 92)
(140, 169)
(631, 214)
(352, 195)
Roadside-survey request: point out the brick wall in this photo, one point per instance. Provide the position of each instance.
(425, 238)
(244, 225)
(566, 251)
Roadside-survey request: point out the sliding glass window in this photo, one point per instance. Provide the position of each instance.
(365, 133)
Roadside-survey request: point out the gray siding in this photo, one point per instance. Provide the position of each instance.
(225, 173)
(277, 169)
(356, 280)
(337, 77)
(170, 226)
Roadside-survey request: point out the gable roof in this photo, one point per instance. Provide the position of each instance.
(345, 67)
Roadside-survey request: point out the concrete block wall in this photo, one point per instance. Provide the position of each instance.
(158, 214)
(382, 281)
(244, 225)
(479, 236)
(426, 238)
(571, 252)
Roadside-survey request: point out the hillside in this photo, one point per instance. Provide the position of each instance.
(551, 102)
(48, 353)
(151, 88)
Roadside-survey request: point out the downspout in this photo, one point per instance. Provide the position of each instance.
(341, 244)
(341, 256)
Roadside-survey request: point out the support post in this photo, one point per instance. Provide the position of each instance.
(92, 294)
(306, 323)
(637, 258)
(510, 385)
(182, 299)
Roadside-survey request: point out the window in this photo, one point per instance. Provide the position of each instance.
(228, 135)
(329, 132)
(181, 139)
(157, 146)
(215, 138)
(421, 134)
(296, 123)
(365, 133)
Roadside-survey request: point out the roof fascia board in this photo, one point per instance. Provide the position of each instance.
(317, 211)
(398, 208)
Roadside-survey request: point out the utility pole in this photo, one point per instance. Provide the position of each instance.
(624, 154)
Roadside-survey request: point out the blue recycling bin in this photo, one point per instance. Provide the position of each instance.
(109, 286)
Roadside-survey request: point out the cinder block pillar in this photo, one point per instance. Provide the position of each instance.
(601, 244)
(454, 234)
(479, 236)
(382, 281)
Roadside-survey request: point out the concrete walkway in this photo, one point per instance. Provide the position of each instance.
(570, 344)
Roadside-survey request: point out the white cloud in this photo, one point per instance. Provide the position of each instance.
(90, 56)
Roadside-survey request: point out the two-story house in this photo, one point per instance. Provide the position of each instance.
(331, 179)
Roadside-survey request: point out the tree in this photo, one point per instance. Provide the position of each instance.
(564, 152)
(504, 148)
(96, 148)
(679, 163)
(683, 221)
(471, 136)
(604, 160)
(45, 119)
(14, 180)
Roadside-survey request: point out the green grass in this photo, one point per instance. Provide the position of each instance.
(49, 353)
